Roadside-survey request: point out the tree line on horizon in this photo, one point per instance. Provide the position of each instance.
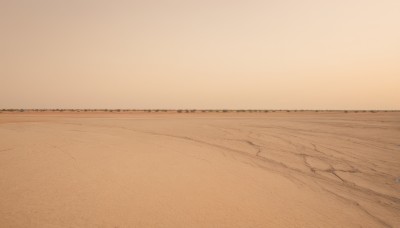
(191, 110)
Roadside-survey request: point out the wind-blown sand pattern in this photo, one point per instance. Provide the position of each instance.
(200, 170)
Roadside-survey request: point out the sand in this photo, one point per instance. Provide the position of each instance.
(200, 170)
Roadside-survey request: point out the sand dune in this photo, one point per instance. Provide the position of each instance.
(200, 170)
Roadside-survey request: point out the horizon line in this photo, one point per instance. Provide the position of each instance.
(181, 109)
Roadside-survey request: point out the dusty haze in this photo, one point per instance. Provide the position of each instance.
(200, 54)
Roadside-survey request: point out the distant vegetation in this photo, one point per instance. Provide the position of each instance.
(191, 110)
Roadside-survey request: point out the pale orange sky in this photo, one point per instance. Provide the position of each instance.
(283, 54)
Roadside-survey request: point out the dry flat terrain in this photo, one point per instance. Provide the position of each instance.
(200, 170)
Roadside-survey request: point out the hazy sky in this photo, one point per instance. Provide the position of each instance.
(342, 54)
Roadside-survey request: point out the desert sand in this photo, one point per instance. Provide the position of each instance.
(281, 169)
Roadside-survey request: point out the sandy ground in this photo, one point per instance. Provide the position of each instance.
(200, 170)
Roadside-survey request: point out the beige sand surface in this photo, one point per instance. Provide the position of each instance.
(200, 170)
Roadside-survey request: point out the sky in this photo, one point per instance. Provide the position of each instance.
(210, 54)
